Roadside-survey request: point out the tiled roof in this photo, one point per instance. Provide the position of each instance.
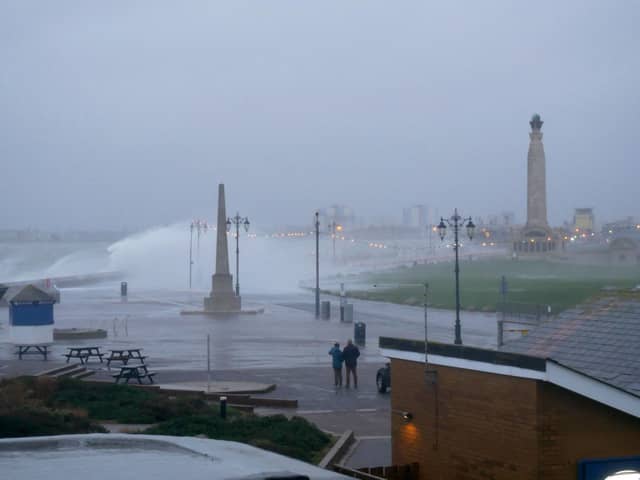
(31, 293)
(600, 340)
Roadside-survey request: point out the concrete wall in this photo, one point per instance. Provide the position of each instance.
(476, 425)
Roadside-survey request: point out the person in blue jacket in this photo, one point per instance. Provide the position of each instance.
(336, 355)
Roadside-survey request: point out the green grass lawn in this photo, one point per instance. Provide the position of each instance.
(530, 281)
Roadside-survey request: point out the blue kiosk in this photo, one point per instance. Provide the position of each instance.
(31, 321)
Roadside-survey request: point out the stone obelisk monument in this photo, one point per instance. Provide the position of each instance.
(536, 236)
(536, 179)
(222, 298)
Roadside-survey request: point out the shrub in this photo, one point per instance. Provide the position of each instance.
(28, 422)
(125, 404)
(295, 437)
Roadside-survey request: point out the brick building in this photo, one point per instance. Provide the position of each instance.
(470, 413)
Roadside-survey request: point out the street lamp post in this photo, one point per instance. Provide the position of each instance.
(426, 337)
(333, 228)
(317, 225)
(191, 227)
(430, 242)
(237, 221)
(456, 221)
(199, 226)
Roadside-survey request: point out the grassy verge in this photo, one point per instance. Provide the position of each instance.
(32, 406)
(537, 282)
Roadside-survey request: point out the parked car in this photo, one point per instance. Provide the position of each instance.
(383, 378)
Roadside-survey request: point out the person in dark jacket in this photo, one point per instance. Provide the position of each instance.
(336, 355)
(350, 356)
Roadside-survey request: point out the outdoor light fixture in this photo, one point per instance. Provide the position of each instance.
(237, 221)
(457, 222)
(470, 229)
(442, 229)
(406, 416)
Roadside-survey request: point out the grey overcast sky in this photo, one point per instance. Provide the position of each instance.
(128, 113)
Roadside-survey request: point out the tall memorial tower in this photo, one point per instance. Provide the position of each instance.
(536, 236)
(222, 298)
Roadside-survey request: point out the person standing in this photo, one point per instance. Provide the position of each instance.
(350, 356)
(336, 355)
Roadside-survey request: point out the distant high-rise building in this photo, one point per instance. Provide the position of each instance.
(508, 218)
(583, 220)
(338, 214)
(415, 216)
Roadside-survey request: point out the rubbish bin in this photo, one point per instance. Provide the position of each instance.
(359, 333)
(347, 315)
(123, 289)
(325, 309)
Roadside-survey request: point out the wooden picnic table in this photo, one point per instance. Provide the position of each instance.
(42, 349)
(125, 355)
(138, 372)
(83, 353)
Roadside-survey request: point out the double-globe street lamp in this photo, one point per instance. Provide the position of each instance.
(456, 222)
(237, 221)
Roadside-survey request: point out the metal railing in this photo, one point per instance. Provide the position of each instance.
(523, 316)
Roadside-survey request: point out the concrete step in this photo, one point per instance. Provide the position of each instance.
(255, 401)
(242, 408)
(56, 371)
(82, 374)
(70, 373)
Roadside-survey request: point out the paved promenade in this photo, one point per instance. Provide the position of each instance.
(286, 346)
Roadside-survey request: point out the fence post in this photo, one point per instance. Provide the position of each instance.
(208, 363)
(223, 407)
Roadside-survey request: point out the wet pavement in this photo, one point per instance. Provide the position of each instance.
(285, 335)
(285, 345)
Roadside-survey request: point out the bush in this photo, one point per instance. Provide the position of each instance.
(125, 404)
(29, 423)
(294, 437)
(32, 406)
